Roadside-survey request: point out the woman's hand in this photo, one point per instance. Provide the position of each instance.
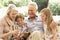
(15, 32)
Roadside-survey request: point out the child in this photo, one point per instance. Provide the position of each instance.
(21, 25)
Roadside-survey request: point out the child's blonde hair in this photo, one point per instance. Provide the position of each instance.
(20, 15)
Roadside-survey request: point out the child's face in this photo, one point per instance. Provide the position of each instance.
(20, 21)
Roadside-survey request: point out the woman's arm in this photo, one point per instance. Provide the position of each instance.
(54, 30)
(3, 35)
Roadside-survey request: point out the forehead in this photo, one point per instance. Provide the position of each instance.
(19, 19)
(14, 11)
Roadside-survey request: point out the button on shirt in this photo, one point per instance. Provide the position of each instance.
(35, 25)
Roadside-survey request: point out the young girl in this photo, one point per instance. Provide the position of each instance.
(21, 25)
(50, 25)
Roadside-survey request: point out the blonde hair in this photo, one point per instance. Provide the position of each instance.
(20, 15)
(36, 35)
(49, 18)
(11, 7)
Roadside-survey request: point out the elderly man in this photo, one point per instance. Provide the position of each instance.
(34, 22)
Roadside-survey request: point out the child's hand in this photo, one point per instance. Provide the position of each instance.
(22, 35)
(15, 32)
(25, 24)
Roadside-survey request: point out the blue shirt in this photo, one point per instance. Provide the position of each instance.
(35, 25)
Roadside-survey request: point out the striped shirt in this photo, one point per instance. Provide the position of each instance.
(35, 25)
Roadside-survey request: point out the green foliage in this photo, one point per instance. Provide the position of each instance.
(18, 3)
(41, 4)
(55, 8)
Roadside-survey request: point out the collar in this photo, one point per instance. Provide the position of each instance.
(35, 17)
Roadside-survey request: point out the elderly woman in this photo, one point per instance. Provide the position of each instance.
(7, 28)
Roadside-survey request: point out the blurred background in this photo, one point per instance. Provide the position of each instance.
(53, 5)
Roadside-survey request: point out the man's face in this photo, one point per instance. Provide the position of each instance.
(32, 11)
(12, 15)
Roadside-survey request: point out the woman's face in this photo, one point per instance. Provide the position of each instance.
(20, 21)
(43, 17)
(12, 15)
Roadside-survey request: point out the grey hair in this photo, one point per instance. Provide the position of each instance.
(33, 3)
(11, 7)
